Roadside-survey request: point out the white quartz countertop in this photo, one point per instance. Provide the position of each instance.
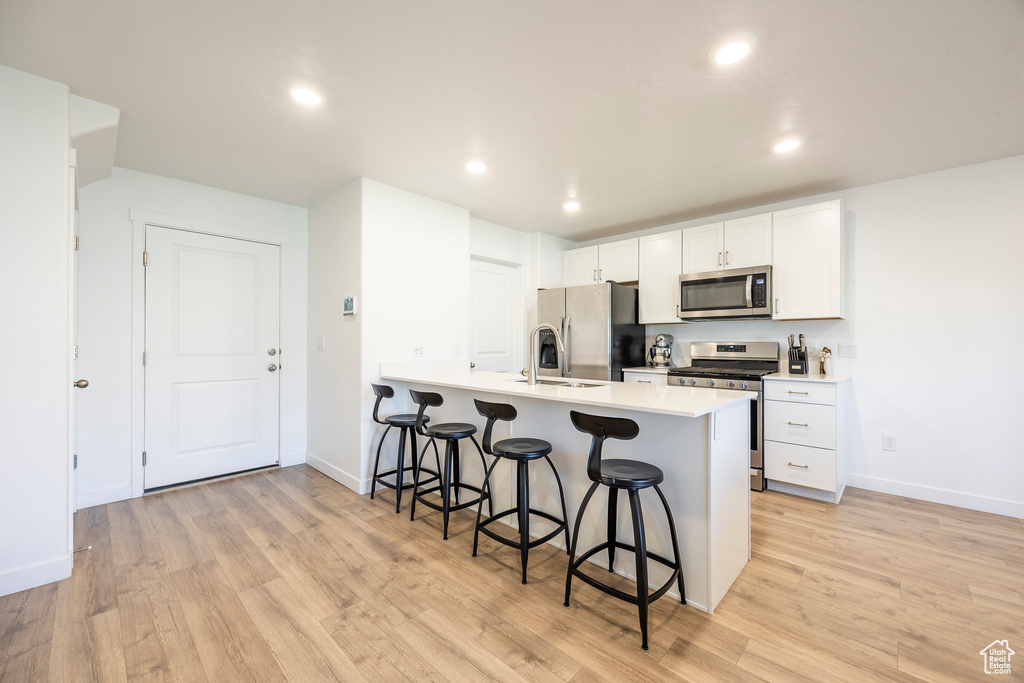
(835, 378)
(648, 398)
(653, 371)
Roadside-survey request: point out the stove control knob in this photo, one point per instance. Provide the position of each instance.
(711, 382)
(743, 385)
(731, 384)
(692, 382)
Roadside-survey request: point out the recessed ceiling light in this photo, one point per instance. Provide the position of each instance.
(787, 145)
(732, 53)
(476, 167)
(734, 48)
(306, 96)
(571, 206)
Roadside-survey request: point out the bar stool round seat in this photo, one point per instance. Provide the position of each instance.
(449, 430)
(523, 448)
(404, 420)
(522, 451)
(630, 474)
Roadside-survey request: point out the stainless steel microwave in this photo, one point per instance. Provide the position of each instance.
(737, 294)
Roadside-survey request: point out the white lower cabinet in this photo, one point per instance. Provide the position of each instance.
(803, 447)
(658, 378)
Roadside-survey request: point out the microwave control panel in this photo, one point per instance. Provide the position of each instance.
(759, 291)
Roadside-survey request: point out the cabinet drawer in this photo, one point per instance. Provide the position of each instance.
(645, 378)
(801, 392)
(801, 465)
(802, 424)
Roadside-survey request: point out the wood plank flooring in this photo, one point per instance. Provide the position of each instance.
(288, 576)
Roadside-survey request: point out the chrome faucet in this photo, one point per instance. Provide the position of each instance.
(531, 378)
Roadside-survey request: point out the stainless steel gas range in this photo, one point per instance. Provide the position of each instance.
(735, 366)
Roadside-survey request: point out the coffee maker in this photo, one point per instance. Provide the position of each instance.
(660, 353)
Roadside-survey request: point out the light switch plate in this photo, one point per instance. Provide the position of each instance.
(847, 351)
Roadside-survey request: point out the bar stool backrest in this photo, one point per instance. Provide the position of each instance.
(493, 412)
(602, 428)
(382, 391)
(424, 399)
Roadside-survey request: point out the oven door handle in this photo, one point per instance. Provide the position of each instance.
(750, 298)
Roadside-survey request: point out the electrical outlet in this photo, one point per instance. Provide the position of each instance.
(889, 442)
(417, 350)
(847, 350)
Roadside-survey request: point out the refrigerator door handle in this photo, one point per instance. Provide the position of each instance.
(567, 326)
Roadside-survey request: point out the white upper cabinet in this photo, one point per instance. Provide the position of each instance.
(661, 264)
(739, 243)
(616, 261)
(704, 248)
(807, 262)
(579, 266)
(748, 241)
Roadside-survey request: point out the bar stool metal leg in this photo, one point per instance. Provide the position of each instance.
(480, 508)
(675, 544)
(400, 470)
(376, 462)
(613, 501)
(576, 539)
(523, 488)
(450, 451)
(561, 498)
(640, 542)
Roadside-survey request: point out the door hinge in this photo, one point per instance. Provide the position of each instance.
(76, 242)
(74, 461)
(143, 458)
(145, 258)
(76, 351)
(143, 357)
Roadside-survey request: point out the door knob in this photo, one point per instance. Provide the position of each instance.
(271, 352)
(272, 367)
(82, 383)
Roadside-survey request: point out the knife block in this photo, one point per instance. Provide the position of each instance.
(798, 362)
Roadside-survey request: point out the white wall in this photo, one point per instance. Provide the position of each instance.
(35, 538)
(933, 280)
(105, 314)
(335, 393)
(413, 291)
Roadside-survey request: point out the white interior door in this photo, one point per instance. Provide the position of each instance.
(494, 328)
(212, 338)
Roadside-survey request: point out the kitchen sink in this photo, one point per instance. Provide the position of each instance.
(562, 383)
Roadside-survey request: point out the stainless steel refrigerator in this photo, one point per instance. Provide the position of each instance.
(598, 324)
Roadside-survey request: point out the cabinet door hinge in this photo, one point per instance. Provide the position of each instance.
(145, 258)
(74, 461)
(143, 357)
(76, 242)
(76, 351)
(143, 458)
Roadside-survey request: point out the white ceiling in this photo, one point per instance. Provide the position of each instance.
(615, 100)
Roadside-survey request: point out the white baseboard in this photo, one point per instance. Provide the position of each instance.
(804, 492)
(36, 575)
(88, 499)
(970, 501)
(358, 485)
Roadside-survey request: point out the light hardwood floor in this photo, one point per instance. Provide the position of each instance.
(286, 575)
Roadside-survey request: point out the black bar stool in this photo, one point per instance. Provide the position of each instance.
(633, 476)
(521, 451)
(451, 479)
(405, 422)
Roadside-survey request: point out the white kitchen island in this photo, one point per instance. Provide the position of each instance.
(698, 437)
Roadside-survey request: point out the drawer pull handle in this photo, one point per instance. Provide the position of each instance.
(803, 467)
(802, 393)
(643, 381)
(798, 424)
